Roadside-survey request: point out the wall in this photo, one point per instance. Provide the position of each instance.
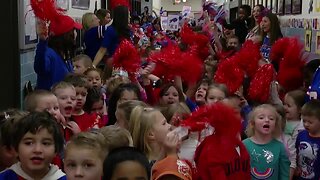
(300, 31)
(196, 5)
(156, 6)
(149, 4)
(27, 57)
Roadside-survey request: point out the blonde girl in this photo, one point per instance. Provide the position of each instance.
(216, 92)
(268, 157)
(124, 110)
(149, 129)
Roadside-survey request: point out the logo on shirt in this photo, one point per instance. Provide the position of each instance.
(307, 157)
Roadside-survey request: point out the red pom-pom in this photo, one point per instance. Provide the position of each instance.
(278, 49)
(230, 74)
(225, 120)
(45, 9)
(172, 62)
(259, 89)
(115, 3)
(126, 57)
(288, 52)
(248, 58)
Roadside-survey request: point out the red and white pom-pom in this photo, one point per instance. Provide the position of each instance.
(115, 3)
(224, 119)
(248, 58)
(126, 57)
(45, 9)
(230, 74)
(259, 89)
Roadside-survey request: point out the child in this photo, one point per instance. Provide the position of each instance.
(175, 113)
(170, 94)
(200, 95)
(95, 103)
(8, 121)
(84, 156)
(116, 137)
(268, 156)
(149, 129)
(233, 43)
(122, 93)
(124, 110)
(66, 95)
(81, 63)
(216, 92)
(43, 100)
(36, 139)
(308, 142)
(94, 77)
(84, 120)
(293, 102)
(126, 163)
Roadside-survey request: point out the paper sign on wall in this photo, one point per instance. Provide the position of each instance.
(173, 22)
(164, 22)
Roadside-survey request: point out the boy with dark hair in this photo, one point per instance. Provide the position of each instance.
(36, 139)
(308, 142)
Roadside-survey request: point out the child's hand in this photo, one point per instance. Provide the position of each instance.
(42, 29)
(73, 126)
(171, 143)
(60, 119)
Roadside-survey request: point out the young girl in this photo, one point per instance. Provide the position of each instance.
(94, 77)
(149, 129)
(124, 110)
(170, 94)
(95, 104)
(122, 93)
(293, 102)
(126, 163)
(268, 156)
(215, 93)
(84, 156)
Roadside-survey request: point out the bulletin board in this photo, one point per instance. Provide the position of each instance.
(27, 26)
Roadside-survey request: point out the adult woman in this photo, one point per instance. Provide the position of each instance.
(254, 32)
(270, 33)
(113, 35)
(54, 52)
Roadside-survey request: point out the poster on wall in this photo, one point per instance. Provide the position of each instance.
(274, 6)
(63, 4)
(318, 43)
(173, 22)
(287, 6)
(80, 4)
(296, 6)
(164, 22)
(307, 40)
(280, 7)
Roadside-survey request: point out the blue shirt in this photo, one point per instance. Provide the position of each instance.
(314, 89)
(265, 48)
(92, 40)
(308, 156)
(110, 40)
(49, 66)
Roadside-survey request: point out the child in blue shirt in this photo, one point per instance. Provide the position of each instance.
(308, 142)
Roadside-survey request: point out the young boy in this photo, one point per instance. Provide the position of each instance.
(36, 139)
(81, 63)
(84, 120)
(84, 156)
(308, 142)
(8, 155)
(66, 95)
(43, 100)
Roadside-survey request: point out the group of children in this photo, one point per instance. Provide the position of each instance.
(147, 126)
